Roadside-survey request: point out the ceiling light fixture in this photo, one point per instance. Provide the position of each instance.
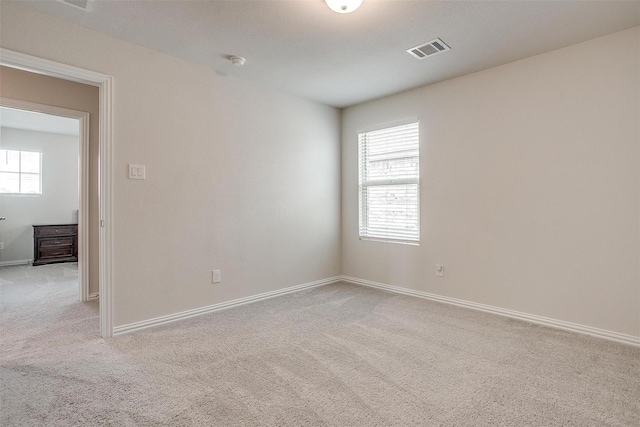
(343, 6)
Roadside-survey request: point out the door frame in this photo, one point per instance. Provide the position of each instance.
(104, 82)
(83, 182)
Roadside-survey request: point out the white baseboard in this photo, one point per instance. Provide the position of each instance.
(131, 327)
(16, 262)
(94, 296)
(531, 318)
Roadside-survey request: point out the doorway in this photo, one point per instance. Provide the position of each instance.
(104, 83)
(45, 151)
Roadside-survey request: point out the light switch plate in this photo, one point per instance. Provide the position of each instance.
(136, 171)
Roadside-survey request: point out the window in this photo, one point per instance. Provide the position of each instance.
(20, 172)
(390, 184)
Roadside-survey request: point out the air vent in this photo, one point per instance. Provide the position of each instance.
(78, 4)
(431, 48)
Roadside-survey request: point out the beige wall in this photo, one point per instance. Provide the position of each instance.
(239, 178)
(530, 181)
(529, 186)
(24, 86)
(58, 203)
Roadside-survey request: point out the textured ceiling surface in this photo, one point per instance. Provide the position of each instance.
(303, 48)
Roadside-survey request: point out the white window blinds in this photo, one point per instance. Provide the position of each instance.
(389, 164)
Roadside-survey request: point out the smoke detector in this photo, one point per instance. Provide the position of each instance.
(78, 4)
(431, 48)
(237, 61)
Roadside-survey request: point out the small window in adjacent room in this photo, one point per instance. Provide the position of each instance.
(20, 172)
(389, 163)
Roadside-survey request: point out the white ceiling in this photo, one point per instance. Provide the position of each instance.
(39, 122)
(302, 47)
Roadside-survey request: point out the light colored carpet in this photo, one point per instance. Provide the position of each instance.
(339, 355)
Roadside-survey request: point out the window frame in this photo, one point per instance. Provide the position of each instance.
(20, 172)
(364, 183)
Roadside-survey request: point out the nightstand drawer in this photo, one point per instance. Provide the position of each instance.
(56, 253)
(55, 230)
(56, 242)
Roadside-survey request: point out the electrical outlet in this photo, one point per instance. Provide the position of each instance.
(216, 276)
(439, 270)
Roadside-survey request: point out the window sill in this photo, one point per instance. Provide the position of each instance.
(402, 242)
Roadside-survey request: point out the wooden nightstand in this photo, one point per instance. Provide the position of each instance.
(55, 243)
